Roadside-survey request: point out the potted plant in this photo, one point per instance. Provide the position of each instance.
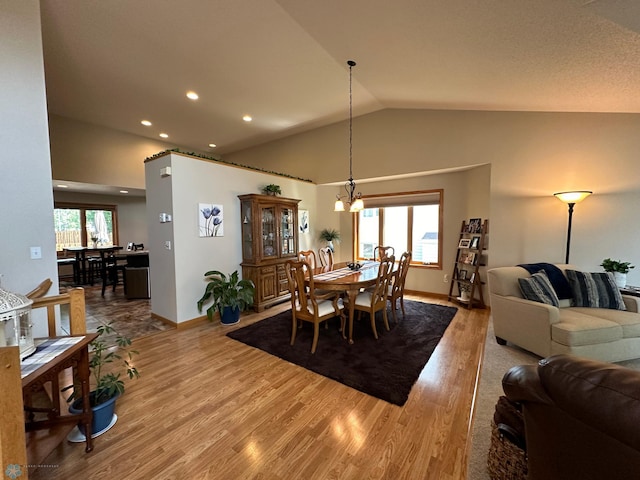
(465, 288)
(329, 235)
(230, 296)
(272, 189)
(107, 385)
(619, 270)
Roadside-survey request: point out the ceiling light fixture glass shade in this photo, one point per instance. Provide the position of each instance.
(353, 199)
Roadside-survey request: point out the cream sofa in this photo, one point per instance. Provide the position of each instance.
(597, 333)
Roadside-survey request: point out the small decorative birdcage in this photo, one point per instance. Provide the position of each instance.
(16, 328)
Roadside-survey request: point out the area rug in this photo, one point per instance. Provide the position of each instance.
(385, 368)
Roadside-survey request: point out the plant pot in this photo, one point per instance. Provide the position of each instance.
(464, 296)
(330, 245)
(621, 279)
(230, 315)
(103, 415)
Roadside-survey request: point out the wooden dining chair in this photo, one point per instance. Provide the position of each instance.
(308, 256)
(380, 252)
(395, 290)
(375, 299)
(112, 272)
(306, 304)
(326, 257)
(41, 290)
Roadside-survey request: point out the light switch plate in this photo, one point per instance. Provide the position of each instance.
(36, 253)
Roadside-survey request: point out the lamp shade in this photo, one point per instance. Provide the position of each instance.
(573, 197)
(357, 205)
(339, 206)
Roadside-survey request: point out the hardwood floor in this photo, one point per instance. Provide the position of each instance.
(208, 407)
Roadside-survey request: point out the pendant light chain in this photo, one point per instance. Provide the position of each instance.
(351, 65)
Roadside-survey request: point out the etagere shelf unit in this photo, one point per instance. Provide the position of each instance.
(466, 282)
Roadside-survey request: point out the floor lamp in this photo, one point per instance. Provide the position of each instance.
(571, 198)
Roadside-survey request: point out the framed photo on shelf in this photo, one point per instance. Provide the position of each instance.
(464, 243)
(469, 258)
(475, 225)
(475, 242)
(462, 275)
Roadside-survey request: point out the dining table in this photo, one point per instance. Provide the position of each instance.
(341, 278)
(81, 253)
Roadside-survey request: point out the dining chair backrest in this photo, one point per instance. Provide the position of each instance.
(303, 300)
(385, 272)
(308, 256)
(325, 255)
(400, 275)
(396, 287)
(41, 290)
(380, 252)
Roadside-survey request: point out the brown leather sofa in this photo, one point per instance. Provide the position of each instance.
(582, 418)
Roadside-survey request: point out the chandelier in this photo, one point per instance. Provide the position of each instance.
(353, 199)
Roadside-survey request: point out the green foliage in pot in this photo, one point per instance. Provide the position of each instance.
(329, 235)
(226, 292)
(272, 189)
(616, 266)
(107, 382)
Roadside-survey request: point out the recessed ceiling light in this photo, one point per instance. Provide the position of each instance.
(192, 95)
(212, 145)
(247, 118)
(124, 191)
(146, 123)
(164, 135)
(62, 186)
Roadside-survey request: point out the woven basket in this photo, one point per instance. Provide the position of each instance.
(506, 461)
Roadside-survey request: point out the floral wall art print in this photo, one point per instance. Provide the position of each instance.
(303, 221)
(210, 220)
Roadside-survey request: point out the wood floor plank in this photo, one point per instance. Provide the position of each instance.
(209, 407)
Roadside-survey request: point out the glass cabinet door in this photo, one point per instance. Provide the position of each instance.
(287, 229)
(269, 234)
(247, 227)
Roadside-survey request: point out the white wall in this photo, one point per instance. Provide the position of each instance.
(177, 280)
(26, 209)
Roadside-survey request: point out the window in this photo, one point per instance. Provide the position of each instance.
(407, 222)
(79, 225)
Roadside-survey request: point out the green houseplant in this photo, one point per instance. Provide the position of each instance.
(619, 270)
(230, 296)
(108, 366)
(616, 266)
(272, 189)
(329, 235)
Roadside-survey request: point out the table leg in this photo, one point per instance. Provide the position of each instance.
(352, 294)
(83, 266)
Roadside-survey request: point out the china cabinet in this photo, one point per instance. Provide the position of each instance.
(269, 239)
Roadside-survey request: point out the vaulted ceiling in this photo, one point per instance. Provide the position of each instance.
(114, 63)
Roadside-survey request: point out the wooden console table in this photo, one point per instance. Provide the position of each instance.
(53, 356)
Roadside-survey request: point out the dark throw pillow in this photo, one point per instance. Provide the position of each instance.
(596, 290)
(538, 289)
